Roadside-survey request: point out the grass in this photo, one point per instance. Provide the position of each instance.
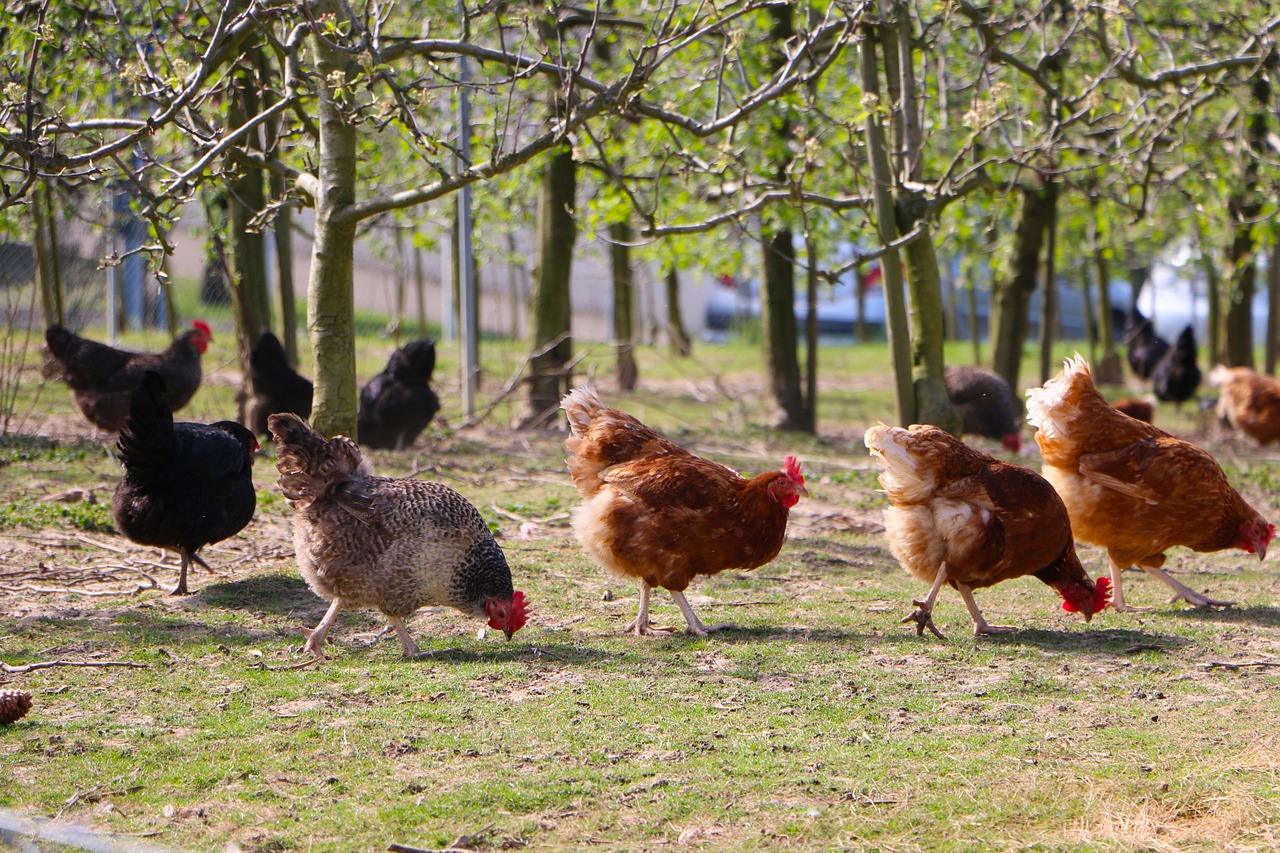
(819, 723)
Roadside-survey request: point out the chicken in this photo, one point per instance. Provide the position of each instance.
(393, 544)
(185, 485)
(1176, 377)
(1133, 488)
(987, 405)
(961, 517)
(653, 511)
(1248, 401)
(103, 378)
(1136, 407)
(398, 403)
(277, 387)
(1145, 347)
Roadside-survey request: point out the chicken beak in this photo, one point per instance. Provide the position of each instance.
(508, 632)
(1262, 550)
(802, 491)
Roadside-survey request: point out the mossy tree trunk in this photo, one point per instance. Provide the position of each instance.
(1011, 297)
(330, 290)
(550, 314)
(778, 268)
(624, 302)
(677, 336)
(247, 255)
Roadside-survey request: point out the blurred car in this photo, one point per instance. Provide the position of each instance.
(732, 304)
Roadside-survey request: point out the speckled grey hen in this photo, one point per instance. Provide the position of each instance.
(393, 544)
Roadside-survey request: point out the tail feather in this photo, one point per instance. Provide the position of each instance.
(310, 465)
(581, 405)
(149, 427)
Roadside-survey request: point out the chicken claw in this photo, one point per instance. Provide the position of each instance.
(923, 617)
(923, 614)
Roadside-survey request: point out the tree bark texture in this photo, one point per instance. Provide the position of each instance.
(778, 279)
(550, 313)
(248, 251)
(1011, 297)
(676, 334)
(624, 303)
(896, 326)
(330, 290)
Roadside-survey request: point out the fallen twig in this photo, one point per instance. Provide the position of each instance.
(47, 664)
(1222, 664)
(1143, 647)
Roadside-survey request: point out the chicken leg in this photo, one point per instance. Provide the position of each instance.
(923, 614)
(695, 624)
(181, 589)
(411, 649)
(1181, 592)
(980, 626)
(315, 636)
(640, 625)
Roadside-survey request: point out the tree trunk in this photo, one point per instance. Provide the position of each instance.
(1244, 208)
(550, 313)
(778, 281)
(284, 274)
(247, 248)
(1011, 296)
(1049, 304)
(778, 326)
(676, 334)
(924, 280)
(1273, 309)
(330, 290)
(899, 333)
(43, 247)
(624, 301)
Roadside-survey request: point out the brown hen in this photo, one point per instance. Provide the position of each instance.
(653, 511)
(961, 517)
(1133, 488)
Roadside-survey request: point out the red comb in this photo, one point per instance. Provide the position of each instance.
(1101, 597)
(202, 326)
(791, 467)
(1101, 594)
(519, 610)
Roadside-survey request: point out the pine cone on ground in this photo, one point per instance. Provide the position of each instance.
(14, 705)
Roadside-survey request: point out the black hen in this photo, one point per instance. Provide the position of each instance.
(986, 403)
(102, 378)
(277, 387)
(1177, 377)
(185, 485)
(398, 403)
(1145, 347)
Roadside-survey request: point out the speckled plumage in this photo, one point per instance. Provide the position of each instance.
(393, 544)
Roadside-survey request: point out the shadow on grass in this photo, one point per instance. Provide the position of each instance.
(1116, 641)
(482, 652)
(274, 593)
(1252, 615)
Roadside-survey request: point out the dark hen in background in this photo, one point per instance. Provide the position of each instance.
(986, 403)
(185, 485)
(277, 387)
(1145, 347)
(1176, 378)
(102, 378)
(398, 403)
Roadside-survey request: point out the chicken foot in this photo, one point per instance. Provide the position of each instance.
(923, 614)
(980, 626)
(187, 558)
(411, 649)
(315, 636)
(1182, 592)
(695, 624)
(1117, 592)
(640, 625)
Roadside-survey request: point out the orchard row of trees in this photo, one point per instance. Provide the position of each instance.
(1021, 138)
